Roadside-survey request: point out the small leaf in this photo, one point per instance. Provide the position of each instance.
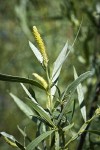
(25, 108)
(35, 142)
(80, 97)
(24, 134)
(68, 127)
(58, 65)
(10, 78)
(72, 87)
(36, 52)
(21, 131)
(11, 140)
(38, 108)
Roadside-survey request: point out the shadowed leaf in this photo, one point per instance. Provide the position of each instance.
(10, 78)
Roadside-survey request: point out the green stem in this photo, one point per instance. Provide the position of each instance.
(49, 90)
(49, 102)
(82, 129)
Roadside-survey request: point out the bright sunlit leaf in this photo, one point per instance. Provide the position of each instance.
(80, 97)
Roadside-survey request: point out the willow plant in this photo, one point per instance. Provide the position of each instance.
(53, 123)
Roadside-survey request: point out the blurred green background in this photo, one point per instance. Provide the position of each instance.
(57, 21)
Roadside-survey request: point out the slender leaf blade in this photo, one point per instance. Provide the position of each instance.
(80, 97)
(70, 90)
(36, 52)
(38, 108)
(72, 87)
(59, 61)
(68, 127)
(10, 78)
(58, 65)
(35, 142)
(25, 108)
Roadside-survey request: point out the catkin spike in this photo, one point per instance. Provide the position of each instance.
(41, 80)
(10, 142)
(97, 111)
(41, 45)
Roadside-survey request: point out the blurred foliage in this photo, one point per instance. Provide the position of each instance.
(57, 21)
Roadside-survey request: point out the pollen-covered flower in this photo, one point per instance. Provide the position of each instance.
(41, 45)
(97, 111)
(41, 80)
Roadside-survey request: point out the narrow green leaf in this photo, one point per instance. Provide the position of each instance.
(80, 97)
(46, 117)
(35, 142)
(36, 52)
(25, 108)
(10, 78)
(72, 87)
(58, 65)
(56, 140)
(11, 140)
(68, 127)
(59, 62)
(39, 118)
(38, 108)
(70, 90)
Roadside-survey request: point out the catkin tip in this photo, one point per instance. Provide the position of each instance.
(41, 80)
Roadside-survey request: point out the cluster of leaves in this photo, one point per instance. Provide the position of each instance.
(54, 121)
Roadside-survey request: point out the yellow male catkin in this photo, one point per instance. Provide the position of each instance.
(97, 111)
(41, 80)
(41, 45)
(10, 142)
